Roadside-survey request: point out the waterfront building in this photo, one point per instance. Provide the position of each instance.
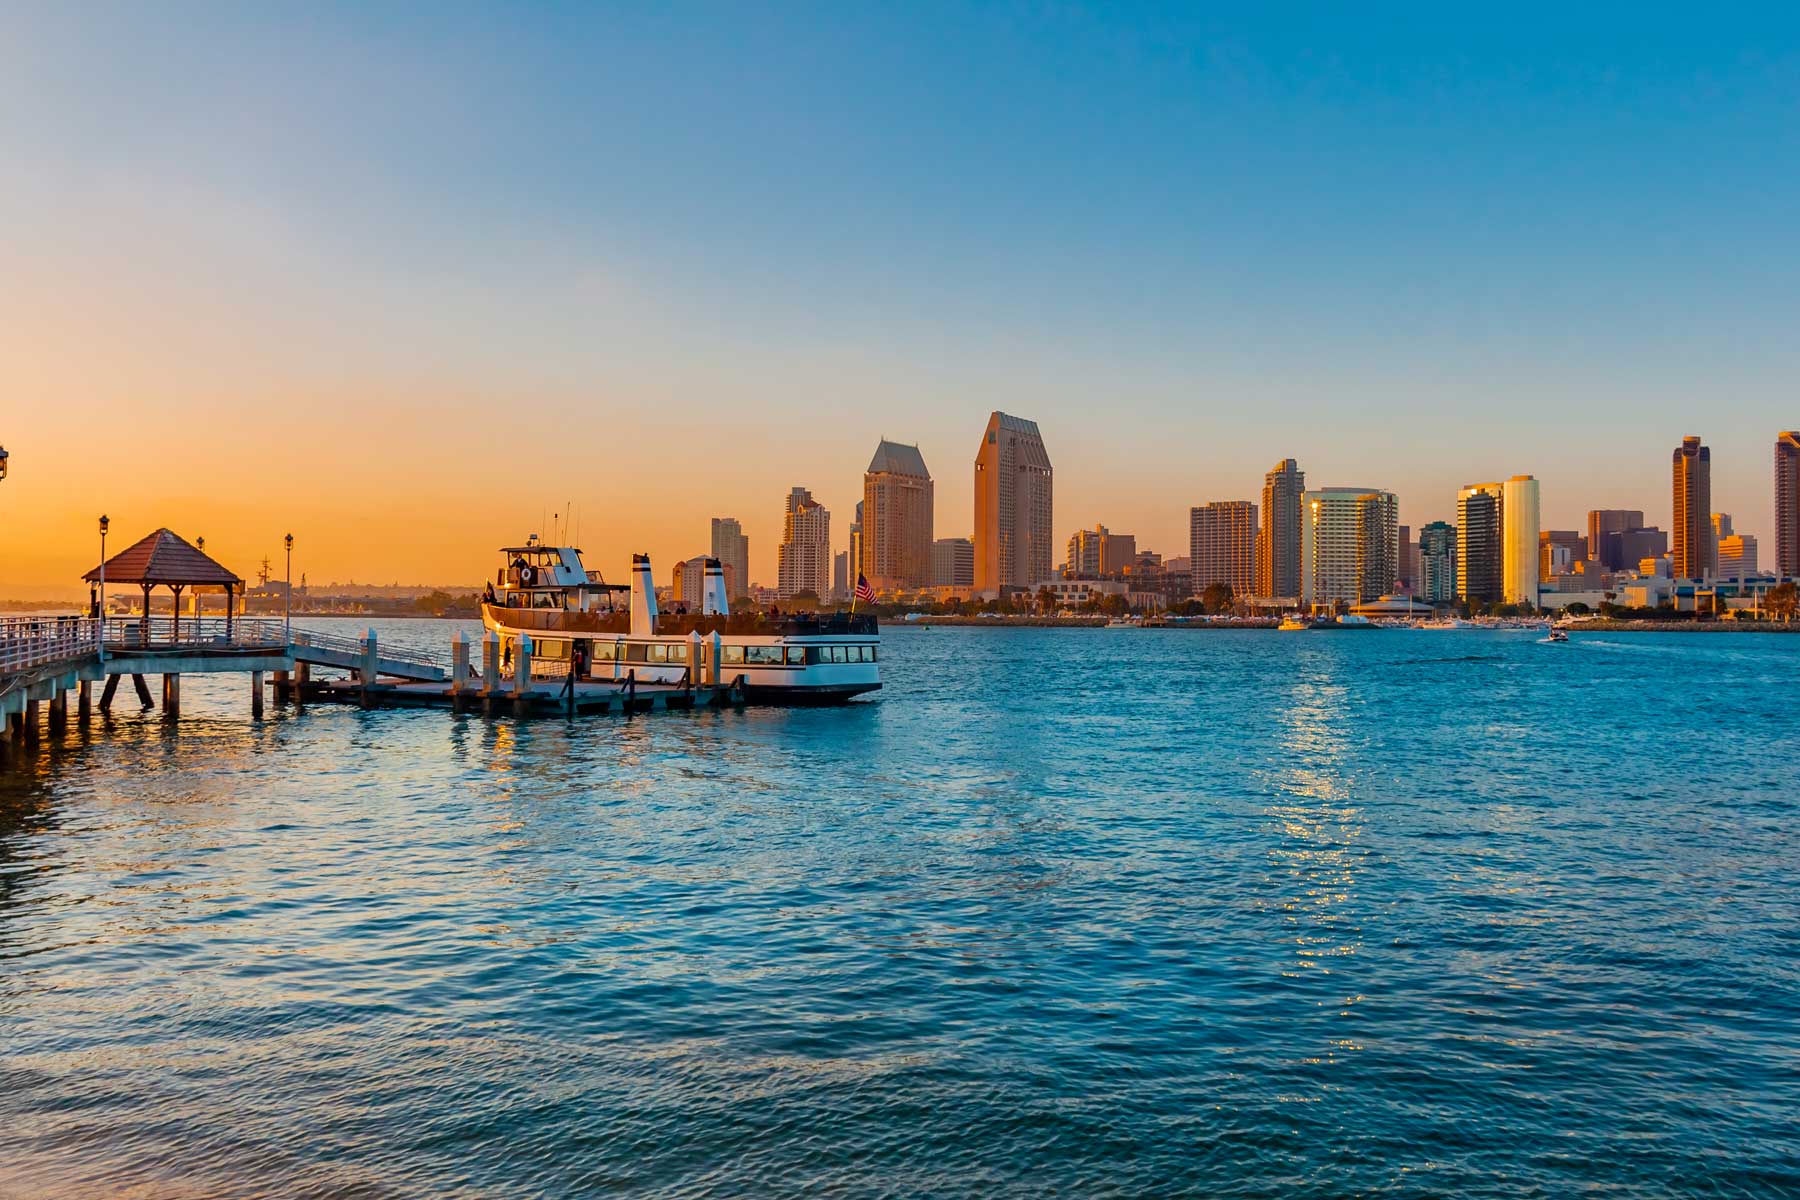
(840, 575)
(732, 549)
(1099, 551)
(1787, 504)
(1278, 543)
(1437, 563)
(1559, 550)
(1519, 539)
(1737, 556)
(1348, 543)
(1480, 559)
(1180, 565)
(1692, 504)
(1222, 538)
(804, 563)
(1013, 509)
(953, 563)
(896, 519)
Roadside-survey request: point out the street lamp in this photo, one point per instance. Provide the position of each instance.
(104, 523)
(288, 594)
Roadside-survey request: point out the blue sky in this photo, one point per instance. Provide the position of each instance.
(1411, 248)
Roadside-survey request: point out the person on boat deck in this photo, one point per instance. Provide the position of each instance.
(487, 593)
(506, 656)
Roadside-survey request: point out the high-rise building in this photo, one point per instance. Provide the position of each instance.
(1737, 556)
(1787, 503)
(1222, 539)
(1480, 551)
(1408, 583)
(1721, 526)
(1437, 563)
(1519, 540)
(1633, 546)
(805, 554)
(896, 519)
(1278, 543)
(840, 575)
(1013, 542)
(1559, 550)
(1603, 525)
(1348, 543)
(732, 549)
(1692, 554)
(1100, 551)
(953, 563)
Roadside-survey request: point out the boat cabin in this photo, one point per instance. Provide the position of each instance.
(549, 577)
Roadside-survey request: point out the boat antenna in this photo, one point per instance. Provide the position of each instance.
(566, 504)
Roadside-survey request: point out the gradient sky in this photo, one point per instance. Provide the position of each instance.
(401, 279)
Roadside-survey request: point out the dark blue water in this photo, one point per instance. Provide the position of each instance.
(1071, 913)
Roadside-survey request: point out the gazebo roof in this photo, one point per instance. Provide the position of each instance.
(163, 559)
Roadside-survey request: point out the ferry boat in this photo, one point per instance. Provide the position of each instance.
(579, 624)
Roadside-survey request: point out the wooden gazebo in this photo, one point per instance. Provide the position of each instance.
(165, 560)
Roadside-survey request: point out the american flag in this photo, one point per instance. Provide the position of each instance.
(864, 592)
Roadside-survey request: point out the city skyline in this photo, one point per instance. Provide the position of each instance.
(1412, 252)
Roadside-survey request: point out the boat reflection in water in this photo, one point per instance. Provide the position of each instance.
(577, 625)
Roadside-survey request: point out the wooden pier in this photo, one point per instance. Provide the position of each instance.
(540, 697)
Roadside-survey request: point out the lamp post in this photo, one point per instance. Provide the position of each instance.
(104, 523)
(287, 628)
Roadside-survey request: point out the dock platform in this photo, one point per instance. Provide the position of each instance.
(542, 697)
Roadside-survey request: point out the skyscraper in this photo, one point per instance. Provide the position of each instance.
(1519, 540)
(1278, 544)
(1559, 550)
(1222, 539)
(953, 563)
(1348, 543)
(1437, 563)
(805, 555)
(1737, 556)
(1692, 502)
(1480, 568)
(1787, 503)
(1012, 505)
(896, 519)
(840, 575)
(732, 549)
(1408, 583)
(856, 540)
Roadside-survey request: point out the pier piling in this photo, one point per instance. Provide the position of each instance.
(143, 691)
(256, 696)
(171, 695)
(84, 705)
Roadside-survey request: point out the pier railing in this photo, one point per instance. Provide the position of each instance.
(30, 642)
(170, 633)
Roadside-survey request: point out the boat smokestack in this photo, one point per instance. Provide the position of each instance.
(712, 592)
(643, 597)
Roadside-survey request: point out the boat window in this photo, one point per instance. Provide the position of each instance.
(658, 652)
(605, 650)
(762, 655)
(635, 652)
(551, 648)
(796, 654)
(678, 653)
(733, 654)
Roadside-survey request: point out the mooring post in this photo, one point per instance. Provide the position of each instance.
(490, 671)
(171, 695)
(302, 677)
(84, 701)
(459, 669)
(694, 650)
(712, 662)
(256, 695)
(522, 675)
(370, 656)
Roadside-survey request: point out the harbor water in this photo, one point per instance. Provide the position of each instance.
(1102, 912)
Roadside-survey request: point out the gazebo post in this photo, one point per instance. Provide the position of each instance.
(145, 627)
(175, 634)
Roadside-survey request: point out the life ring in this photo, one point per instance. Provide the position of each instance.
(528, 576)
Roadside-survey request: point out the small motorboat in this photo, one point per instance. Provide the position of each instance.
(1291, 624)
(1557, 635)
